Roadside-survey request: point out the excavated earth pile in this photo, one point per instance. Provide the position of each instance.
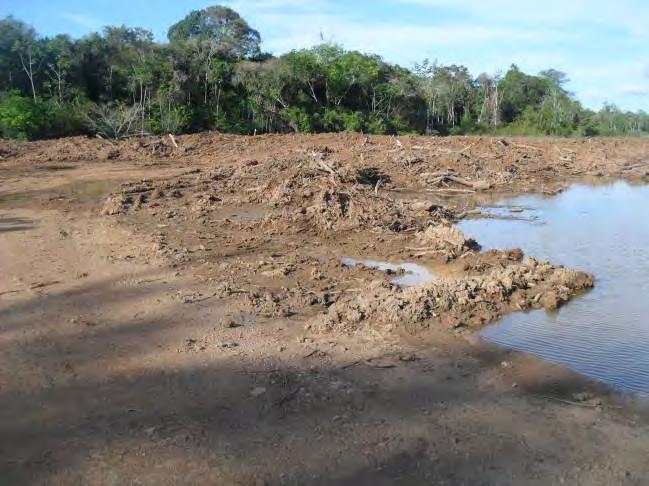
(462, 302)
(319, 194)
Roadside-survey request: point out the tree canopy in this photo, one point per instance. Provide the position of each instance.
(220, 27)
(211, 75)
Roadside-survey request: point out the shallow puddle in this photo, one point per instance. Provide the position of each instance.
(92, 189)
(603, 230)
(407, 274)
(81, 191)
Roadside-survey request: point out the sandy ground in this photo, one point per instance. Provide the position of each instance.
(179, 315)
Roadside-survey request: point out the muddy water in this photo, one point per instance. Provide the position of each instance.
(81, 191)
(408, 274)
(604, 230)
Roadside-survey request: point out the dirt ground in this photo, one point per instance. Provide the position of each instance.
(175, 311)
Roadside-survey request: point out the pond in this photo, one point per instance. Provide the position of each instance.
(600, 229)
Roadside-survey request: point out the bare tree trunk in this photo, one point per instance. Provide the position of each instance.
(29, 70)
(218, 102)
(60, 85)
(206, 87)
(313, 95)
(496, 106)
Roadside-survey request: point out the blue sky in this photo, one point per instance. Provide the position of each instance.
(603, 45)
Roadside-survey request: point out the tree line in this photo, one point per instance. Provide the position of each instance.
(212, 75)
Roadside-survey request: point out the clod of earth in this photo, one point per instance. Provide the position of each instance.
(472, 301)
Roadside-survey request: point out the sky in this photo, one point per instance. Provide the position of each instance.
(602, 45)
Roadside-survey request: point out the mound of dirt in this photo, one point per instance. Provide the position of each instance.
(464, 302)
(440, 165)
(447, 240)
(117, 204)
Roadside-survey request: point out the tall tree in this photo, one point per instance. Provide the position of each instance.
(11, 71)
(29, 49)
(60, 61)
(223, 28)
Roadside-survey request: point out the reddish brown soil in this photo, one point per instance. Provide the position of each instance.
(180, 315)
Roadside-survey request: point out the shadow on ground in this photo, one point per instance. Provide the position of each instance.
(9, 225)
(121, 401)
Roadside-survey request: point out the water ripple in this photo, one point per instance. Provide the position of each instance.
(603, 230)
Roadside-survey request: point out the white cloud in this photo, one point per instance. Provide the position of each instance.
(598, 43)
(634, 89)
(397, 42)
(82, 20)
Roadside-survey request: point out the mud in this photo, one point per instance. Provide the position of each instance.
(462, 302)
(185, 312)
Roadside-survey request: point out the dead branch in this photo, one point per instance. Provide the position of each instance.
(570, 402)
(317, 159)
(448, 177)
(312, 353)
(451, 191)
(458, 152)
(426, 253)
(634, 166)
(40, 285)
(502, 142)
(529, 147)
(442, 173)
(376, 187)
(461, 151)
(173, 140)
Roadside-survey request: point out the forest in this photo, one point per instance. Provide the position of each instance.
(212, 75)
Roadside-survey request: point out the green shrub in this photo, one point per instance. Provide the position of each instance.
(376, 125)
(298, 119)
(353, 121)
(332, 121)
(338, 121)
(66, 120)
(175, 120)
(21, 118)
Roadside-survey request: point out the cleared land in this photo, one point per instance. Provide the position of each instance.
(174, 310)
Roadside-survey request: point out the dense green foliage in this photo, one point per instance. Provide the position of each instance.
(212, 75)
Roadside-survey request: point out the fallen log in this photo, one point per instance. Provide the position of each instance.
(448, 177)
(450, 190)
(529, 147)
